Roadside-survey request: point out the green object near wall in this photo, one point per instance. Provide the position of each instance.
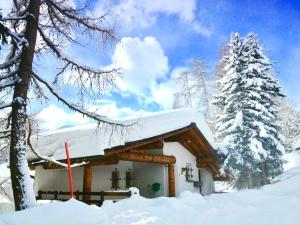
(155, 187)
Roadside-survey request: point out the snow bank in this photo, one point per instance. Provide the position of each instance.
(91, 140)
(291, 160)
(274, 204)
(6, 194)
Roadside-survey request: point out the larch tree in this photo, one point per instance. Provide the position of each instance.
(247, 123)
(35, 29)
(289, 120)
(194, 88)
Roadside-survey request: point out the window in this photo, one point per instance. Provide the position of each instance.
(188, 172)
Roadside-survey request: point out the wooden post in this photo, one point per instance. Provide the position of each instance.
(87, 182)
(171, 180)
(101, 198)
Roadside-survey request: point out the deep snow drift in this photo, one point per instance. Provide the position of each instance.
(274, 204)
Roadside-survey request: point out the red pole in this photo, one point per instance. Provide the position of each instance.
(69, 170)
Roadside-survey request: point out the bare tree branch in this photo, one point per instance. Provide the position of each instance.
(43, 157)
(7, 105)
(76, 108)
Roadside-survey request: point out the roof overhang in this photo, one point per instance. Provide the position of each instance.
(190, 137)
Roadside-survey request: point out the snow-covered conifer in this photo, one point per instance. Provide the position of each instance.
(247, 126)
(263, 94)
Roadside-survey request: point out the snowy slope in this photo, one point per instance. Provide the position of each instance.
(91, 140)
(274, 204)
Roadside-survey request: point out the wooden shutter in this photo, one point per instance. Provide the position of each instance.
(128, 178)
(115, 179)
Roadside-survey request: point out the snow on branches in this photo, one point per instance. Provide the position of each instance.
(31, 30)
(247, 124)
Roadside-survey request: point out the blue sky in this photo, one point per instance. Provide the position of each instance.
(157, 39)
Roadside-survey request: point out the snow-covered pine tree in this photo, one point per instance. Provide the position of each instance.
(231, 124)
(262, 102)
(246, 125)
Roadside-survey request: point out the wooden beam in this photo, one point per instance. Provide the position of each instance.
(48, 165)
(189, 148)
(87, 182)
(207, 147)
(221, 178)
(203, 162)
(159, 144)
(149, 158)
(106, 160)
(179, 137)
(171, 178)
(214, 169)
(138, 151)
(145, 142)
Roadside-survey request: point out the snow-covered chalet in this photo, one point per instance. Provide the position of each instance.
(161, 154)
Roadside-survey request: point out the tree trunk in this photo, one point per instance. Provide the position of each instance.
(21, 185)
(263, 174)
(249, 180)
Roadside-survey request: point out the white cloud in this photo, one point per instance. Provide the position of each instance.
(145, 69)
(144, 13)
(143, 63)
(199, 28)
(54, 117)
(163, 93)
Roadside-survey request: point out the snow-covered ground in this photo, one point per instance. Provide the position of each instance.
(274, 204)
(6, 194)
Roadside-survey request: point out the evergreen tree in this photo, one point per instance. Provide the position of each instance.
(263, 92)
(246, 125)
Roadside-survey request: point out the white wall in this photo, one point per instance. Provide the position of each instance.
(207, 181)
(57, 179)
(183, 157)
(145, 174)
(102, 176)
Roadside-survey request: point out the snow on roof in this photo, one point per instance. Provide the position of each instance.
(91, 140)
